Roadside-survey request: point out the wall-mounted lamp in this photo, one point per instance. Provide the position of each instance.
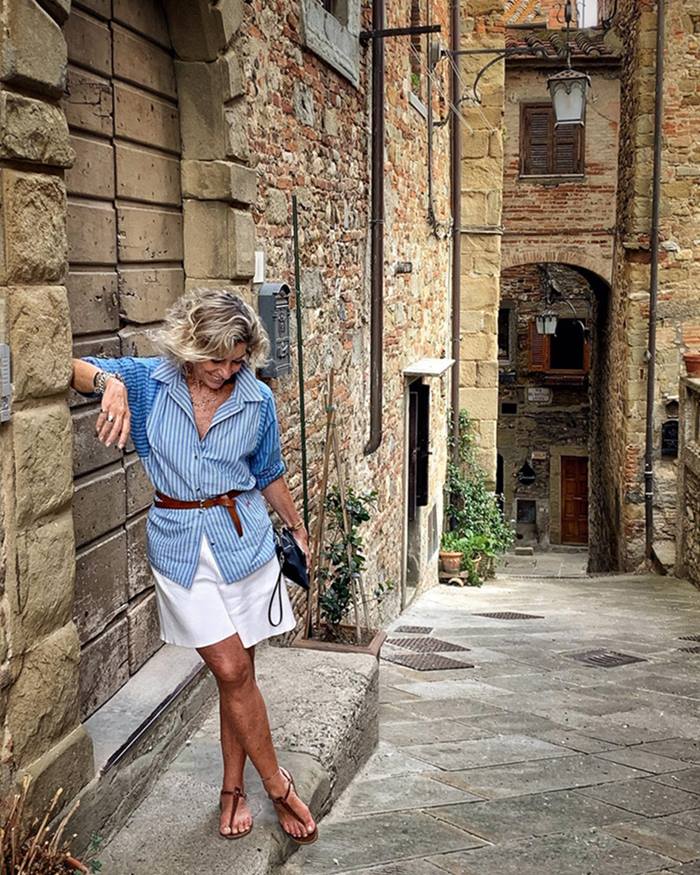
(569, 90)
(546, 323)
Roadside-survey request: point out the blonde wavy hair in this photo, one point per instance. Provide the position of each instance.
(208, 324)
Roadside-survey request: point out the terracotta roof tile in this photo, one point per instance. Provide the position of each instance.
(551, 44)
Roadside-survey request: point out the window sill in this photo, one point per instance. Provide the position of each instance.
(418, 104)
(334, 42)
(552, 179)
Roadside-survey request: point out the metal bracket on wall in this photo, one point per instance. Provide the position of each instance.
(384, 33)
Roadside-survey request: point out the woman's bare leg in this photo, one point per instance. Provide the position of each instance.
(242, 707)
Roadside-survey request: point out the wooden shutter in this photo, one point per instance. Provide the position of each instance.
(567, 153)
(539, 349)
(586, 355)
(536, 140)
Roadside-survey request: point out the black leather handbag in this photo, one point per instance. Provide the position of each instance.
(292, 566)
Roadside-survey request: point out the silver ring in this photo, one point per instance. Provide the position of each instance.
(110, 418)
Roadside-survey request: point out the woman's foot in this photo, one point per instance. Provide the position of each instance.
(294, 816)
(236, 819)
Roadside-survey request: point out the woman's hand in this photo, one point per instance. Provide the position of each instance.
(301, 536)
(114, 421)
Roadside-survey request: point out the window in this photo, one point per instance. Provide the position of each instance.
(337, 8)
(566, 352)
(331, 29)
(525, 511)
(415, 51)
(505, 334)
(546, 150)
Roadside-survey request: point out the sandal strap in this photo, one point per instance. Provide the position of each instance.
(237, 792)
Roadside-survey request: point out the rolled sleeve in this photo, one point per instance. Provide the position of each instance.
(266, 463)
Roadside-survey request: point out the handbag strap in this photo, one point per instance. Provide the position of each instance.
(276, 594)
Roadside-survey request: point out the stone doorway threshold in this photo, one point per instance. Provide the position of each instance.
(136, 734)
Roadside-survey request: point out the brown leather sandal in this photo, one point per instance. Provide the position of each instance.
(237, 794)
(281, 801)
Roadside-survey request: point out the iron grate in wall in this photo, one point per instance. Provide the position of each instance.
(690, 649)
(509, 615)
(606, 658)
(420, 630)
(424, 661)
(690, 638)
(425, 645)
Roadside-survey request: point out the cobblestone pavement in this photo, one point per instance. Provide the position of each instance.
(532, 762)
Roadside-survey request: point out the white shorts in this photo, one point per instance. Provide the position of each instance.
(212, 609)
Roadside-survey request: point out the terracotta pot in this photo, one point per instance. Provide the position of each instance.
(373, 648)
(451, 562)
(692, 363)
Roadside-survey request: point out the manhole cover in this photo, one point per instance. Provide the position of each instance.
(509, 615)
(421, 630)
(690, 637)
(424, 661)
(690, 649)
(606, 658)
(424, 645)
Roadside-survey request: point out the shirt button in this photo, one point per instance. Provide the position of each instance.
(198, 489)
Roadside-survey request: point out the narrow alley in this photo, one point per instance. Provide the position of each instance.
(543, 758)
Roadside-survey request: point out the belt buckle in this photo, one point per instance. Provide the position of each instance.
(202, 503)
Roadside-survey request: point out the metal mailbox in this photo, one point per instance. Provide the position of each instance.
(273, 307)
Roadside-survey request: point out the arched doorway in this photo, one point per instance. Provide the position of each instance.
(125, 252)
(550, 407)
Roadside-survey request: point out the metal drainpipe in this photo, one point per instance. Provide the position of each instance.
(377, 224)
(456, 197)
(654, 285)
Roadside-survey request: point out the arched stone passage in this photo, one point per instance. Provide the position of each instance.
(514, 255)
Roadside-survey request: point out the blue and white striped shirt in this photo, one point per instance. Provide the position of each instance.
(240, 451)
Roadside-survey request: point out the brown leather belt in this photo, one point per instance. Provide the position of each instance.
(227, 500)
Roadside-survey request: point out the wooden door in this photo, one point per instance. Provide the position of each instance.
(574, 500)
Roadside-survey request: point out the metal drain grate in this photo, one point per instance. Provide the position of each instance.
(690, 638)
(690, 649)
(509, 615)
(606, 658)
(424, 661)
(424, 645)
(421, 630)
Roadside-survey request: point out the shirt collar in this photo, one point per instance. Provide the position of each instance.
(247, 388)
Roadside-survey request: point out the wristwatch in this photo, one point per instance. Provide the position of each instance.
(99, 381)
(297, 526)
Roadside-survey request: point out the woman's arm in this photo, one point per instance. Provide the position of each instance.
(114, 421)
(279, 497)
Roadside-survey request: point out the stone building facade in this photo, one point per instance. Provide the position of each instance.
(147, 146)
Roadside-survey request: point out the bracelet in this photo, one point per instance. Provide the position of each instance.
(296, 526)
(99, 381)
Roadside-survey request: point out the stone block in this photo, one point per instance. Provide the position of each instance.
(44, 579)
(200, 31)
(219, 180)
(475, 145)
(32, 214)
(92, 232)
(89, 43)
(99, 504)
(43, 701)
(92, 298)
(146, 17)
(206, 238)
(234, 81)
(68, 764)
(478, 347)
(149, 234)
(237, 144)
(482, 404)
(104, 667)
(145, 294)
(201, 88)
(242, 245)
(487, 375)
(143, 118)
(137, 341)
(474, 209)
(138, 60)
(32, 48)
(89, 454)
(144, 631)
(40, 329)
(139, 492)
(139, 577)
(145, 175)
(101, 8)
(100, 584)
(32, 130)
(59, 9)
(88, 102)
(92, 172)
(43, 476)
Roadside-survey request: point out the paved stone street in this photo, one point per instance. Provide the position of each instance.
(532, 762)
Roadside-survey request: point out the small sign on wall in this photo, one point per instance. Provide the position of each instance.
(539, 394)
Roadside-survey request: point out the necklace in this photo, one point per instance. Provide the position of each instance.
(205, 399)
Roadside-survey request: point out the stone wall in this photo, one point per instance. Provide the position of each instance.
(541, 416)
(688, 531)
(308, 128)
(677, 326)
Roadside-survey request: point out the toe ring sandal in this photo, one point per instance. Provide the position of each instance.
(237, 794)
(281, 801)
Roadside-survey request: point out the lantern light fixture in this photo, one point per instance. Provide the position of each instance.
(569, 90)
(546, 323)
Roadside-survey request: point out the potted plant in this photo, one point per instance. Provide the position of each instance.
(451, 552)
(35, 849)
(692, 363)
(341, 589)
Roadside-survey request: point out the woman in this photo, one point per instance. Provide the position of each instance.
(206, 431)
